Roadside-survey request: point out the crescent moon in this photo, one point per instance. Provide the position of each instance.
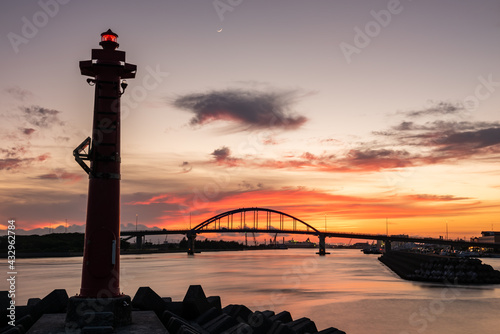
(219, 30)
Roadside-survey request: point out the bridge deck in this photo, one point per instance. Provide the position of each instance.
(458, 243)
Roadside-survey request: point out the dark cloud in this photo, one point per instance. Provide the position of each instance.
(469, 140)
(432, 143)
(42, 117)
(186, 167)
(369, 159)
(13, 152)
(478, 139)
(16, 157)
(407, 144)
(222, 156)
(251, 109)
(439, 109)
(19, 93)
(439, 125)
(221, 153)
(11, 163)
(27, 131)
(246, 186)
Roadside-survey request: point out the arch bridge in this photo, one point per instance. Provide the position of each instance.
(278, 222)
(242, 220)
(226, 222)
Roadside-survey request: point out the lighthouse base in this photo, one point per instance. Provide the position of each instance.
(98, 312)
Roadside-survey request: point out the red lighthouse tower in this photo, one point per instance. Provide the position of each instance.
(101, 259)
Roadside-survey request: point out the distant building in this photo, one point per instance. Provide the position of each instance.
(489, 236)
(361, 245)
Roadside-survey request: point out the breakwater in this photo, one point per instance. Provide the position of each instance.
(151, 313)
(440, 269)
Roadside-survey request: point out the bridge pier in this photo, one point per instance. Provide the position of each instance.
(138, 241)
(388, 246)
(322, 245)
(191, 237)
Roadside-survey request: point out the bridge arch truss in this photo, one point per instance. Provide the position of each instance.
(226, 220)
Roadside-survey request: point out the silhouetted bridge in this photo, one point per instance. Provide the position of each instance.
(285, 224)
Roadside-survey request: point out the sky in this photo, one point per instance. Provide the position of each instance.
(365, 114)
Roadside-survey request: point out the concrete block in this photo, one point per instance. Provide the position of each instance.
(331, 330)
(220, 324)
(175, 323)
(284, 317)
(54, 302)
(26, 321)
(195, 303)
(4, 299)
(215, 301)
(19, 329)
(174, 307)
(240, 328)
(23, 310)
(4, 303)
(33, 301)
(146, 299)
(280, 328)
(268, 313)
(98, 330)
(98, 319)
(207, 316)
(239, 312)
(187, 330)
(83, 312)
(259, 323)
(302, 326)
(144, 322)
(165, 317)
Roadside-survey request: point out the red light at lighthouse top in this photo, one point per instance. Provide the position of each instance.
(109, 40)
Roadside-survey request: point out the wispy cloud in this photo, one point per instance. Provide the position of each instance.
(438, 109)
(436, 198)
(42, 117)
(19, 93)
(16, 158)
(244, 108)
(62, 175)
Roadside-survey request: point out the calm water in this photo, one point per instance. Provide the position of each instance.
(346, 289)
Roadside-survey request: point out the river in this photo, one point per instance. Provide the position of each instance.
(345, 289)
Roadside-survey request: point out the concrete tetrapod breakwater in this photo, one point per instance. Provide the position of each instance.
(440, 269)
(153, 314)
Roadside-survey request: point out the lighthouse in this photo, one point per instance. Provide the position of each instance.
(99, 156)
